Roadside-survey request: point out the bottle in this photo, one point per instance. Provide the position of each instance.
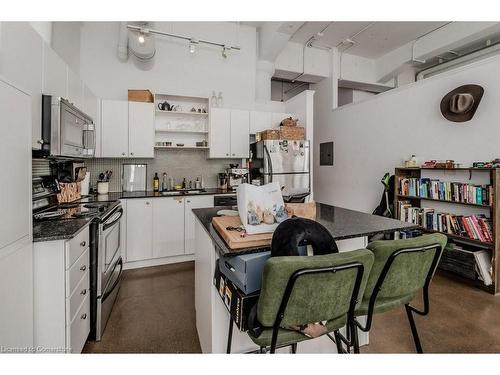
(164, 182)
(220, 101)
(184, 183)
(171, 183)
(213, 99)
(156, 183)
(197, 183)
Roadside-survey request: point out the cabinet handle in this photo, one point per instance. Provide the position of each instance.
(131, 153)
(83, 292)
(84, 316)
(227, 154)
(40, 141)
(188, 201)
(83, 268)
(147, 203)
(83, 243)
(123, 153)
(233, 154)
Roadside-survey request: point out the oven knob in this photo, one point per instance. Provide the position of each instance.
(84, 316)
(83, 292)
(83, 268)
(83, 243)
(123, 153)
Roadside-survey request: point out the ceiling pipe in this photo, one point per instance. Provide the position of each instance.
(123, 42)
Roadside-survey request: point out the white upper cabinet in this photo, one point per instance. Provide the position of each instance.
(260, 121)
(219, 133)
(21, 64)
(74, 89)
(168, 227)
(240, 133)
(114, 129)
(141, 127)
(54, 73)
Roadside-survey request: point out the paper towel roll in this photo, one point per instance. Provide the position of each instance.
(85, 184)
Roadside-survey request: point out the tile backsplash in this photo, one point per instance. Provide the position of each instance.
(176, 163)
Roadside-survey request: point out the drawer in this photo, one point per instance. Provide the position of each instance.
(75, 300)
(78, 331)
(76, 246)
(76, 272)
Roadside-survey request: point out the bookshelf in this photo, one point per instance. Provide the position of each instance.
(487, 176)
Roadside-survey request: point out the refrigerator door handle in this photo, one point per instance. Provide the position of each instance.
(269, 164)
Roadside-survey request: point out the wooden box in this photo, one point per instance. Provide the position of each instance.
(305, 210)
(140, 96)
(292, 132)
(269, 134)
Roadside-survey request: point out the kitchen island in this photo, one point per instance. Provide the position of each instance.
(349, 228)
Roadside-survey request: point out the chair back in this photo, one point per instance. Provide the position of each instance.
(402, 267)
(300, 290)
(291, 233)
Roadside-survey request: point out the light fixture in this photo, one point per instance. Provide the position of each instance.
(224, 51)
(192, 46)
(141, 38)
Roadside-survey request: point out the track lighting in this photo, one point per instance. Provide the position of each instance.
(192, 45)
(224, 51)
(141, 38)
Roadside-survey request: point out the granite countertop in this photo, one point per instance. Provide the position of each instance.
(54, 230)
(150, 194)
(342, 223)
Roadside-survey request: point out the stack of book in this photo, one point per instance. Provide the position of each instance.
(476, 227)
(448, 191)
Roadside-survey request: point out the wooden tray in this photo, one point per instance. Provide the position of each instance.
(233, 238)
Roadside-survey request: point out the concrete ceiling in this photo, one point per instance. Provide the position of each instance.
(376, 40)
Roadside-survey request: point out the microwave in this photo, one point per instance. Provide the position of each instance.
(66, 130)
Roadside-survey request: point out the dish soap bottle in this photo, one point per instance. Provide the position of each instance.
(213, 99)
(156, 183)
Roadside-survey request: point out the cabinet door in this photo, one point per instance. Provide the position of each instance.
(240, 133)
(21, 65)
(15, 153)
(74, 89)
(141, 125)
(260, 121)
(114, 129)
(168, 227)
(219, 133)
(139, 229)
(189, 219)
(54, 73)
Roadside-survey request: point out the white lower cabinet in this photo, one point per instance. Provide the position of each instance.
(168, 227)
(161, 227)
(62, 294)
(190, 220)
(139, 229)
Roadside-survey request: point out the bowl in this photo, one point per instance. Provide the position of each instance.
(180, 144)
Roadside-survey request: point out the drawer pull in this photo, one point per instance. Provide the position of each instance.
(83, 316)
(83, 292)
(83, 243)
(83, 268)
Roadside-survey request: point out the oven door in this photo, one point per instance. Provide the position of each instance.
(109, 248)
(106, 301)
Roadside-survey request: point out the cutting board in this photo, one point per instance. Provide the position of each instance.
(233, 238)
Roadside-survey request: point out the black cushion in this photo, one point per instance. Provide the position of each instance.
(296, 231)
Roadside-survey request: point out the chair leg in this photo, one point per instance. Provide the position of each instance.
(294, 348)
(262, 350)
(229, 336)
(413, 327)
(354, 337)
(338, 342)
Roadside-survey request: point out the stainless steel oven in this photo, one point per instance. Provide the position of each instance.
(109, 267)
(66, 130)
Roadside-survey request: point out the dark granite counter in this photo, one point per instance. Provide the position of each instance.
(150, 194)
(342, 224)
(54, 230)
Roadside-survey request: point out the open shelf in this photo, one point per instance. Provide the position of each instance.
(412, 197)
(182, 113)
(182, 131)
(181, 147)
(487, 245)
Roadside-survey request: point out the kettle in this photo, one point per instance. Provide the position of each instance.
(165, 106)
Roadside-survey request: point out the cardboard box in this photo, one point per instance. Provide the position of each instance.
(145, 96)
(237, 303)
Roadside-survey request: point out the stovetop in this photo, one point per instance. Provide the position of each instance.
(75, 210)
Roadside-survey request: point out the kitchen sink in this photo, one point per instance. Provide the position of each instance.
(182, 192)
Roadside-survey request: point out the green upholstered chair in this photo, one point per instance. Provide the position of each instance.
(297, 290)
(401, 269)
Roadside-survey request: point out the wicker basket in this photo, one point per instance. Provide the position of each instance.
(292, 132)
(268, 134)
(145, 96)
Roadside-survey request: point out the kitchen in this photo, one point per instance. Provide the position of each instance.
(141, 151)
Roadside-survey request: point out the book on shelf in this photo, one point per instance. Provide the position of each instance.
(446, 191)
(476, 227)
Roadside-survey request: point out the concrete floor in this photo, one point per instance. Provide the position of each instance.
(154, 313)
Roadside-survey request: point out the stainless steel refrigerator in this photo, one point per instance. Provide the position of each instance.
(286, 162)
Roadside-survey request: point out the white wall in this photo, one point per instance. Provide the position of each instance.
(175, 70)
(376, 135)
(44, 29)
(66, 40)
